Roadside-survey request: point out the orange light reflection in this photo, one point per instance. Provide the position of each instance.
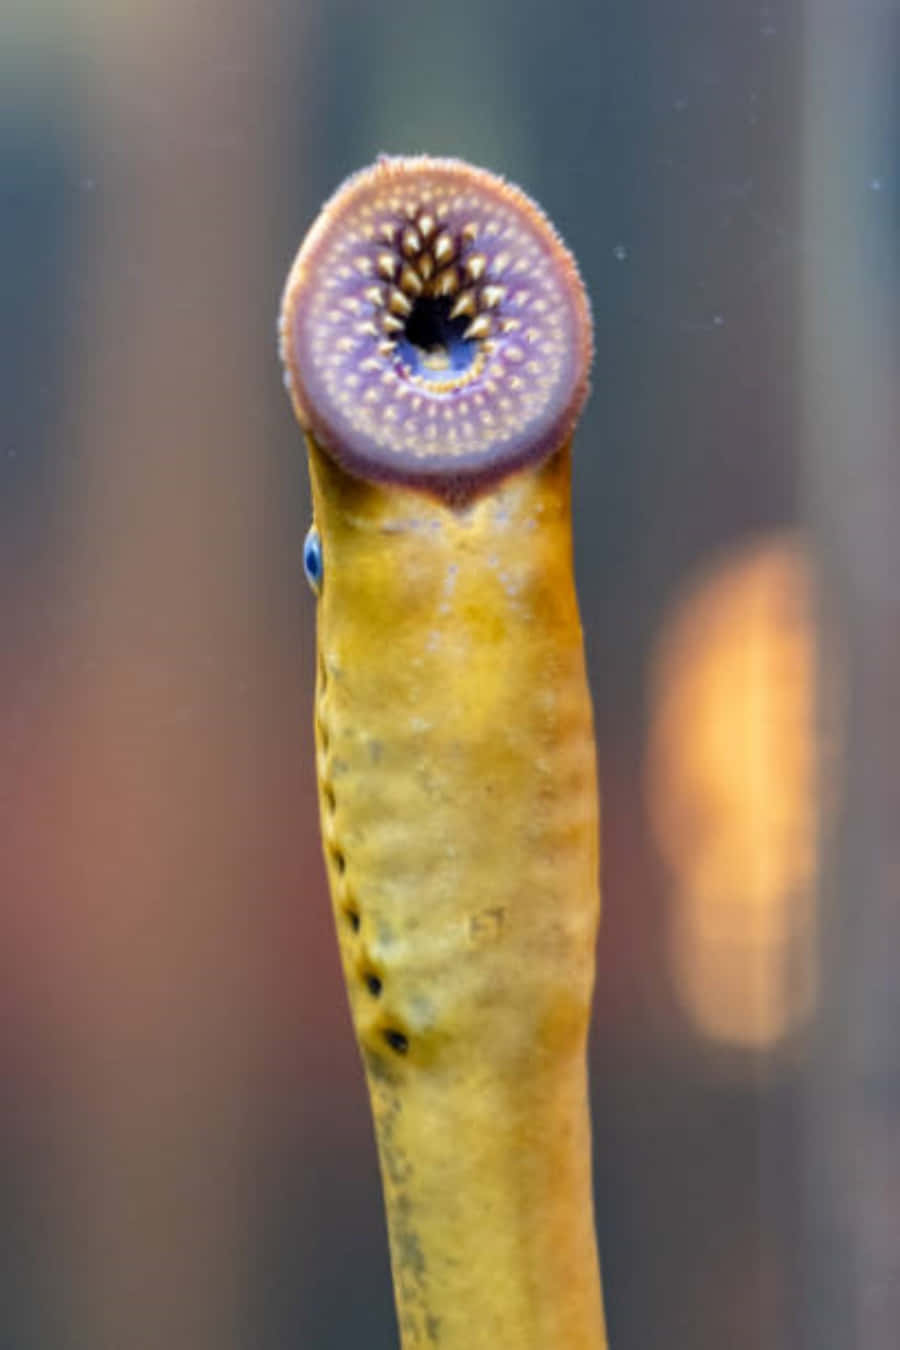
(731, 782)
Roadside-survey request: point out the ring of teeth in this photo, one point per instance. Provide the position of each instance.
(404, 253)
(425, 263)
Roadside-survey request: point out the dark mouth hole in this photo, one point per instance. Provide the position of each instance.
(432, 344)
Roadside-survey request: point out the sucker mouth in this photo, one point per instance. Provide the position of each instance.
(434, 327)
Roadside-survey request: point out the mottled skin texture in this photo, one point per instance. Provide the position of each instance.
(459, 813)
(436, 340)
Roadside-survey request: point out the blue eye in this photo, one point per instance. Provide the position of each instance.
(312, 559)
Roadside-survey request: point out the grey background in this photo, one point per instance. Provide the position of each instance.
(187, 1155)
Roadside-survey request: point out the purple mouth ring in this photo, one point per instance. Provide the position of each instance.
(434, 328)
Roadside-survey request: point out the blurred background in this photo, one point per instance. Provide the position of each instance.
(185, 1146)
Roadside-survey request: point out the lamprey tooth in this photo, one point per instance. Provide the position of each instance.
(444, 248)
(478, 328)
(410, 280)
(398, 303)
(465, 303)
(411, 242)
(475, 265)
(492, 295)
(446, 282)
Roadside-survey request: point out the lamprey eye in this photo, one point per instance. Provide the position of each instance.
(312, 558)
(434, 328)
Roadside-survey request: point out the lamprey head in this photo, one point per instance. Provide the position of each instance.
(434, 328)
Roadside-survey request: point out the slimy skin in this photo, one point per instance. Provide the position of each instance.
(458, 801)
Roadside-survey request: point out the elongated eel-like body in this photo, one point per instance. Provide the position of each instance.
(456, 762)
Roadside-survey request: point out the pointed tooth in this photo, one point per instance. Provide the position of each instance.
(426, 225)
(464, 304)
(447, 282)
(374, 295)
(411, 242)
(476, 265)
(387, 265)
(398, 303)
(386, 231)
(478, 328)
(470, 231)
(426, 267)
(443, 248)
(391, 324)
(500, 264)
(410, 280)
(492, 295)
(386, 348)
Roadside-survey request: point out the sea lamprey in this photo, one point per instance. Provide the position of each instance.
(436, 342)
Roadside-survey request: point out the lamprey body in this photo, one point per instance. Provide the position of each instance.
(456, 765)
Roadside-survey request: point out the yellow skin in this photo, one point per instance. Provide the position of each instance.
(459, 812)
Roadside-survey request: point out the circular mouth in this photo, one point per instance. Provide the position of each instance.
(434, 327)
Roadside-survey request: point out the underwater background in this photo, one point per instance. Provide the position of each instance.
(186, 1153)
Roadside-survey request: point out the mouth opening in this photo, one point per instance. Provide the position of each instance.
(432, 344)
